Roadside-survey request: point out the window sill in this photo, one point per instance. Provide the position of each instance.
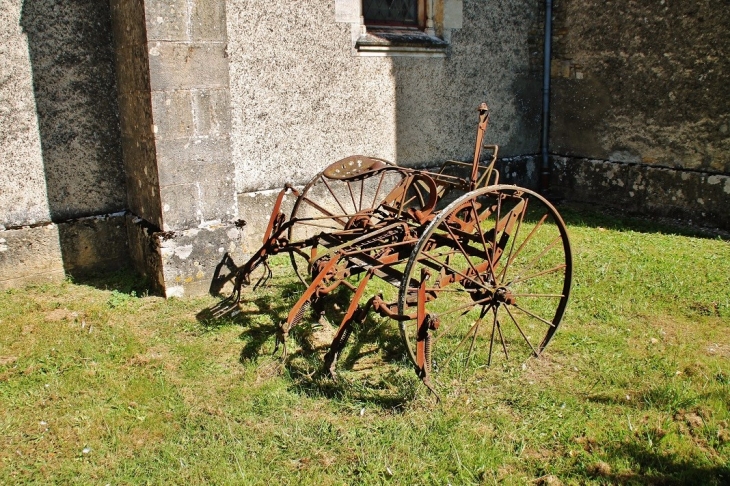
(399, 41)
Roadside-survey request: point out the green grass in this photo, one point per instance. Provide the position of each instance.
(101, 384)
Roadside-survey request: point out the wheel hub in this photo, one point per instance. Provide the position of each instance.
(503, 296)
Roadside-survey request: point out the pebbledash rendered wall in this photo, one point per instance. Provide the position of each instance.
(301, 98)
(62, 191)
(641, 113)
(155, 133)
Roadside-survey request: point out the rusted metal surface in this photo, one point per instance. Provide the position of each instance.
(479, 268)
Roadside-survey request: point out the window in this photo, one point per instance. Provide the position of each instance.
(393, 12)
(400, 27)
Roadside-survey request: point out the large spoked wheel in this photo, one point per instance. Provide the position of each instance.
(339, 199)
(492, 273)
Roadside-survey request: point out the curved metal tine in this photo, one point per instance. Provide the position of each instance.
(418, 192)
(265, 277)
(282, 343)
(427, 382)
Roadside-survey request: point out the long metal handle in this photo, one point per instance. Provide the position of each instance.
(481, 129)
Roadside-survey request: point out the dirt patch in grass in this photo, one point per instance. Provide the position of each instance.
(154, 356)
(58, 315)
(718, 349)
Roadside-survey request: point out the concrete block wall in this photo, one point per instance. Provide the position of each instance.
(174, 91)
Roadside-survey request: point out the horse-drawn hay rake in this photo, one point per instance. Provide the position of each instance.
(479, 268)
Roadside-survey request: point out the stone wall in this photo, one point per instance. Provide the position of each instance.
(643, 82)
(174, 102)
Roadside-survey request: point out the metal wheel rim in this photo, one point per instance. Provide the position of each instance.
(303, 199)
(407, 333)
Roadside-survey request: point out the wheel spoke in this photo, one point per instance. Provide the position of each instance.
(514, 240)
(501, 336)
(322, 210)
(491, 339)
(483, 312)
(471, 330)
(449, 267)
(377, 190)
(549, 247)
(352, 197)
(362, 191)
(487, 256)
(538, 274)
(496, 221)
(481, 233)
(309, 223)
(474, 271)
(473, 341)
(534, 315)
(333, 195)
(466, 306)
(529, 237)
(509, 313)
(538, 295)
(463, 252)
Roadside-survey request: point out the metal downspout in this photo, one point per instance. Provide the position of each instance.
(545, 167)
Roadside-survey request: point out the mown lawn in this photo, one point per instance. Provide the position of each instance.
(101, 384)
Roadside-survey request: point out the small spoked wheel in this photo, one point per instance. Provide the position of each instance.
(339, 199)
(490, 277)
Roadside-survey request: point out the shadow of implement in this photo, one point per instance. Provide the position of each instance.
(303, 364)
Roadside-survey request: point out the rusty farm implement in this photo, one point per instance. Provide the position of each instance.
(477, 269)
